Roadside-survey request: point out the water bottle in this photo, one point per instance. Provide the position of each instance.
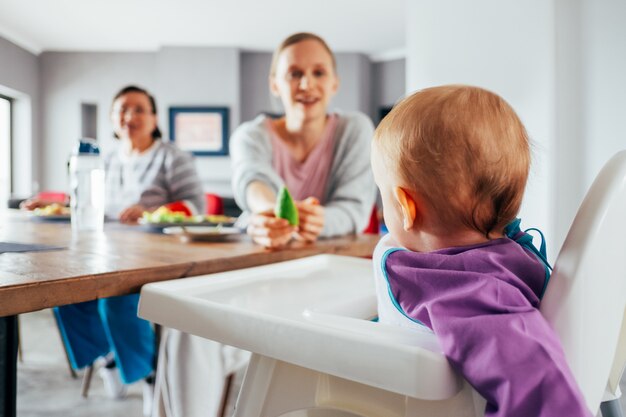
(87, 187)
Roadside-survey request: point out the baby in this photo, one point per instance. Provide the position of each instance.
(451, 163)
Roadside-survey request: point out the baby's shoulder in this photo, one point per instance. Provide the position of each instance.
(384, 247)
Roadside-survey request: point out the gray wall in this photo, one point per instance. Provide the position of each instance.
(353, 70)
(388, 84)
(62, 82)
(176, 76)
(255, 93)
(69, 79)
(19, 79)
(201, 76)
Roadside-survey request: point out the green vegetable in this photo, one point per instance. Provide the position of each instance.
(158, 217)
(164, 215)
(286, 208)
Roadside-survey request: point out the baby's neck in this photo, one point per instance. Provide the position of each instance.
(422, 241)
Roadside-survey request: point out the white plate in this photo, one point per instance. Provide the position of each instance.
(210, 233)
(50, 217)
(191, 222)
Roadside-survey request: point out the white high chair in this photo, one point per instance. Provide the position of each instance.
(314, 349)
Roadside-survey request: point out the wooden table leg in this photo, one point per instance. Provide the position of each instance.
(8, 366)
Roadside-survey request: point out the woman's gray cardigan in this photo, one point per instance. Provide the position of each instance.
(350, 191)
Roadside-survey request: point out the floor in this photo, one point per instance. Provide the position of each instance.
(44, 384)
(45, 387)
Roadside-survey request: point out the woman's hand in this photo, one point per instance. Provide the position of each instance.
(311, 215)
(131, 214)
(33, 203)
(269, 231)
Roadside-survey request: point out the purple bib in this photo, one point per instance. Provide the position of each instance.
(482, 303)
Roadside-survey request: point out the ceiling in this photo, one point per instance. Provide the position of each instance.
(374, 27)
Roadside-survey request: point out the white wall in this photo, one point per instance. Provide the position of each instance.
(590, 91)
(568, 169)
(560, 63)
(5, 149)
(506, 47)
(603, 82)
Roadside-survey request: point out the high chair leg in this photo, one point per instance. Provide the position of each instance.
(619, 363)
(227, 387)
(611, 408)
(272, 388)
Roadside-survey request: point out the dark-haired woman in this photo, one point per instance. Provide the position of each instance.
(145, 172)
(142, 173)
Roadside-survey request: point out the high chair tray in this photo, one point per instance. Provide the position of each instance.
(313, 312)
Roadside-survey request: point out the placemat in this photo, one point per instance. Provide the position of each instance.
(25, 247)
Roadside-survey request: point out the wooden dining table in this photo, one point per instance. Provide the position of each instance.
(119, 260)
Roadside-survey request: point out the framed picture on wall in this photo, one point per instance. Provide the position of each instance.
(200, 130)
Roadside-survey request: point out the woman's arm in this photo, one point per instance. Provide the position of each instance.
(184, 183)
(260, 197)
(251, 161)
(172, 177)
(352, 192)
(132, 214)
(255, 184)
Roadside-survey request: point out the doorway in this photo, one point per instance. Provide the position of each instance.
(5, 149)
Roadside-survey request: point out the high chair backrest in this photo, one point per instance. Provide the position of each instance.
(586, 299)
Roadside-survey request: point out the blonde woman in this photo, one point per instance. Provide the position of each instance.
(323, 159)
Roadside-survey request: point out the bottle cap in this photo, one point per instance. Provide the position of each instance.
(87, 146)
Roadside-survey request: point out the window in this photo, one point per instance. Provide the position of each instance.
(5, 149)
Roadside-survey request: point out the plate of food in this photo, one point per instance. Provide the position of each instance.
(52, 212)
(164, 217)
(203, 233)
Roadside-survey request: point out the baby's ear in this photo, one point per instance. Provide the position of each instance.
(408, 207)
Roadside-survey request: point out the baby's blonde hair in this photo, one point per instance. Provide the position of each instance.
(462, 149)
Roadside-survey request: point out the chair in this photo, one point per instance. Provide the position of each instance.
(52, 197)
(586, 299)
(585, 303)
(373, 227)
(214, 204)
(88, 373)
(313, 349)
